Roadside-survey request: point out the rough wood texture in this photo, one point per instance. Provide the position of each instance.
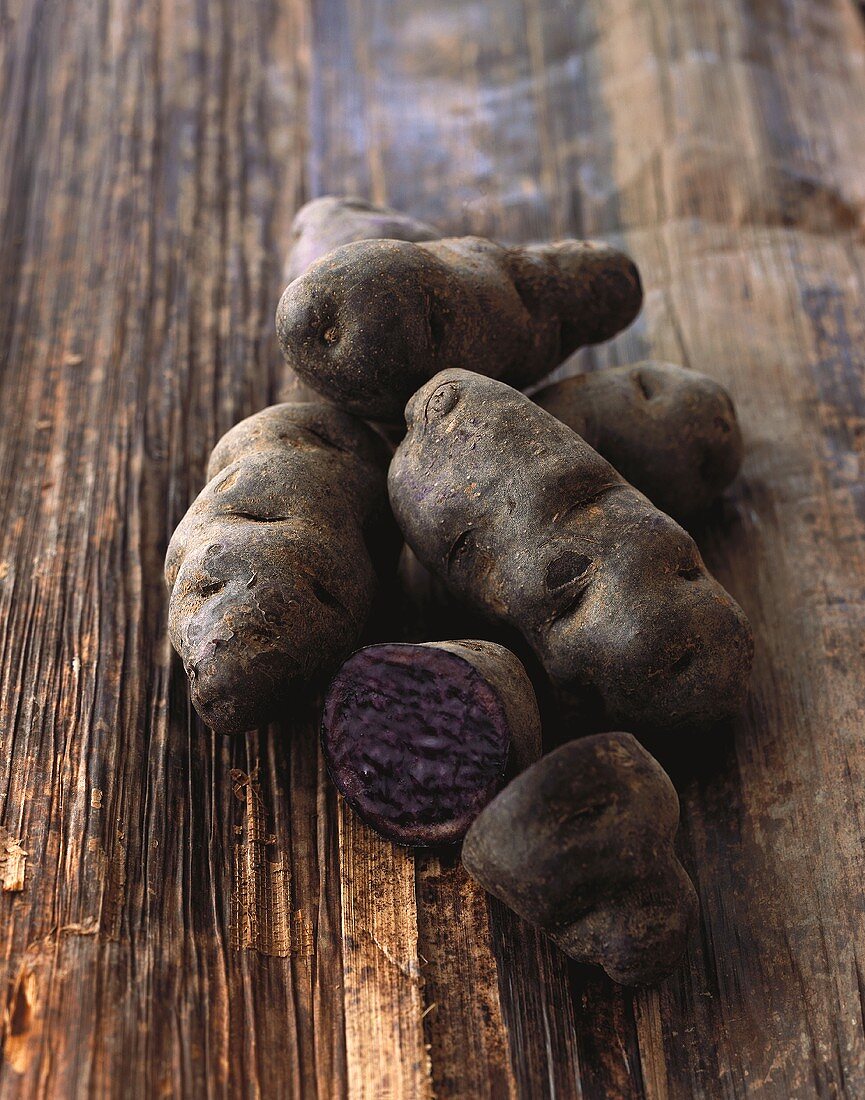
(201, 918)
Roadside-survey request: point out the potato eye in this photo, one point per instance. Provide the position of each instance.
(443, 400)
(567, 567)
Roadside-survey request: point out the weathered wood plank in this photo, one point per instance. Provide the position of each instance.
(144, 174)
(202, 918)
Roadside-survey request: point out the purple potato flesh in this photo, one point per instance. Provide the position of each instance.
(418, 739)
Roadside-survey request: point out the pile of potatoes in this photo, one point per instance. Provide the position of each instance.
(542, 523)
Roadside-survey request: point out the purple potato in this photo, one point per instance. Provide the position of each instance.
(521, 519)
(274, 568)
(370, 322)
(419, 738)
(327, 223)
(671, 432)
(581, 845)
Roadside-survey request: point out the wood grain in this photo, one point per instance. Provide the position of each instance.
(202, 918)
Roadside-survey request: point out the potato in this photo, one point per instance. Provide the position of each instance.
(370, 322)
(272, 571)
(324, 224)
(327, 223)
(671, 432)
(581, 844)
(526, 523)
(418, 738)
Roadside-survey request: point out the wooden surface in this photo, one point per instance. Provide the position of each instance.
(184, 916)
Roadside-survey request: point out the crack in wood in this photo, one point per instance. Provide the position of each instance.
(112, 869)
(20, 1021)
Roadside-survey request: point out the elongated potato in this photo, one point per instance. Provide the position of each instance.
(372, 321)
(528, 524)
(671, 432)
(272, 571)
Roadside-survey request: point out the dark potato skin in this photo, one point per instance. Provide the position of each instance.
(581, 844)
(419, 737)
(529, 525)
(671, 432)
(372, 321)
(272, 570)
(327, 223)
